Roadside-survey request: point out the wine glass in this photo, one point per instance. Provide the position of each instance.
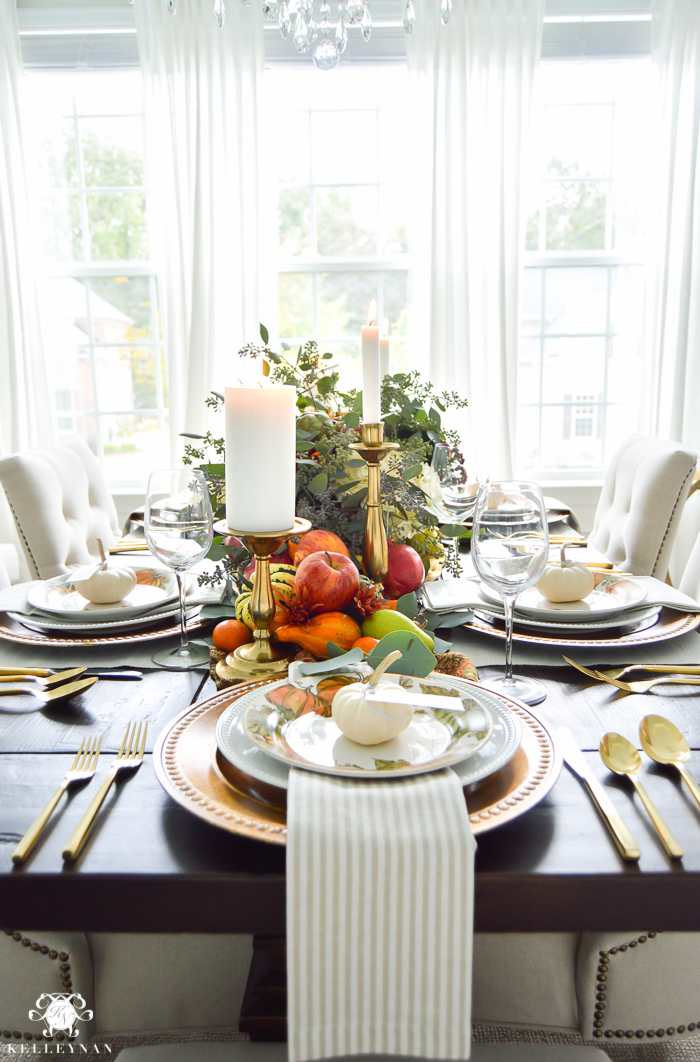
(510, 546)
(179, 531)
(457, 499)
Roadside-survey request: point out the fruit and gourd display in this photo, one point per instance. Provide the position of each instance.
(323, 598)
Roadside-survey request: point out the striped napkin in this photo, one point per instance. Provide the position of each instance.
(380, 892)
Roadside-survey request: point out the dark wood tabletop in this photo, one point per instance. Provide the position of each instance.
(151, 866)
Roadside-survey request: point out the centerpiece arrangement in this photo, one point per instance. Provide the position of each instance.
(363, 494)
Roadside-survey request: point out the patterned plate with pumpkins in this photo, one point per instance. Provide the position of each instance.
(291, 721)
(57, 596)
(611, 595)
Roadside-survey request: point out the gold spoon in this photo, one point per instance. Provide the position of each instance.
(621, 757)
(663, 742)
(55, 696)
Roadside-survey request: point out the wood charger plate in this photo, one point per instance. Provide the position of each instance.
(193, 772)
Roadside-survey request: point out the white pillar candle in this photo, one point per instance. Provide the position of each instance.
(260, 457)
(371, 390)
(384, 350)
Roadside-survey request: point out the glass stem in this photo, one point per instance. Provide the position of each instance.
(183, 629)
(508, 605)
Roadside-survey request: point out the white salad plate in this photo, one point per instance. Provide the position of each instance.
(254, 757)
(612, 594)
(58, 596)
(37, 623)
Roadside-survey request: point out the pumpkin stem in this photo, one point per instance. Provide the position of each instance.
(563, 559)
(379, 671)
(101, 548)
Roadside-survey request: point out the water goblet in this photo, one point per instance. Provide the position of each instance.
(457, 497)
(179, 531)
(510, 546)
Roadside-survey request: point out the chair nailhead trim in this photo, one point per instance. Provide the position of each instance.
(65, 974)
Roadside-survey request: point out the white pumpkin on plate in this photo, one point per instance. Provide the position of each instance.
(370, 724)
(106, 586)
(566, 582)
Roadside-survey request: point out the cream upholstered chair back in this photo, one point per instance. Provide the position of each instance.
(61, 505)
(637, 517)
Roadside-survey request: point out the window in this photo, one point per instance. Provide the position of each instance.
(580, 359)
(97, 287)
(342, 206)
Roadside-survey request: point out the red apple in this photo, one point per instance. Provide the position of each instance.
(405, 572)
(327, 579)
(316, 541)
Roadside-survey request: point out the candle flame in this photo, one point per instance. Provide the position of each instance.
(372, 312)
(385, 328)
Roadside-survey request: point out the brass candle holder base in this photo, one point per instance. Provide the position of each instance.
(375, 553)
(266, 655)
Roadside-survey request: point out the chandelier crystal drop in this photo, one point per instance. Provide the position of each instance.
(295, 18)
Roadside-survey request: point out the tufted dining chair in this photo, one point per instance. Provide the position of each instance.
(645, 488)
(61, 505)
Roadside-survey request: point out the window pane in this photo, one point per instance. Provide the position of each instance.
(295, 305)
(527, 455)
(531, 300)
(59, 232)
(344, 150)
(343, 299)
(117, 223)
(112, 151)
(576, 215)
(529, 370)
(576, 299)
(394, 213)
(562, 448)
(577, 141)
(294, 221)
(292, 146)
(573, 367)
(346, 221)
(108, 92)
(397, 300)
(132, 444)
(115, 390)
(120, 309)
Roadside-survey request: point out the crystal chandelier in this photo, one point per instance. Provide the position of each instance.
(295, 19)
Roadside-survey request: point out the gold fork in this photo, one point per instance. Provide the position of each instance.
(81, 770)
(130, 755)
(647, 684)
(618, 672)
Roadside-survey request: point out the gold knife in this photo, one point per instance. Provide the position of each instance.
(573, 757)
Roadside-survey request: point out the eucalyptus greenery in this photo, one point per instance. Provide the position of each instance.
(332, 478)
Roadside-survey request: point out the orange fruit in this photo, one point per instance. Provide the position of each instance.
(366, 644)
(229, 634)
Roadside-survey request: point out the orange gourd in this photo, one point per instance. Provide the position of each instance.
(315, 633)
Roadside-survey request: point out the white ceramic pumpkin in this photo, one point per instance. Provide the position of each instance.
(567, 582)
(106, 586)
(361, 722)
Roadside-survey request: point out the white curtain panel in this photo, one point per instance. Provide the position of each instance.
(472, 86)
(676, 286)
(25, 415)
(202, 90)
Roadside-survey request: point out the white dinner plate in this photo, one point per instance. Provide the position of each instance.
(243, 753)
(612, 594)
(58, 597)
(639, 616)
(36, 623)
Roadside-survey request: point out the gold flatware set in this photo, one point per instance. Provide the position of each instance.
(660, 739)
(130, 756)
(54, 687)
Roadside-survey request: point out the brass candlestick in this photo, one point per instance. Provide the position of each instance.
(375, 557)
(266, 655)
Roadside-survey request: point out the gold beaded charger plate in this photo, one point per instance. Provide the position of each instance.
(193, 772)
(291, 722)
(12, 630)
(669, 624)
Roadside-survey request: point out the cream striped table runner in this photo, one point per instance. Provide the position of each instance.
(380, 891)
